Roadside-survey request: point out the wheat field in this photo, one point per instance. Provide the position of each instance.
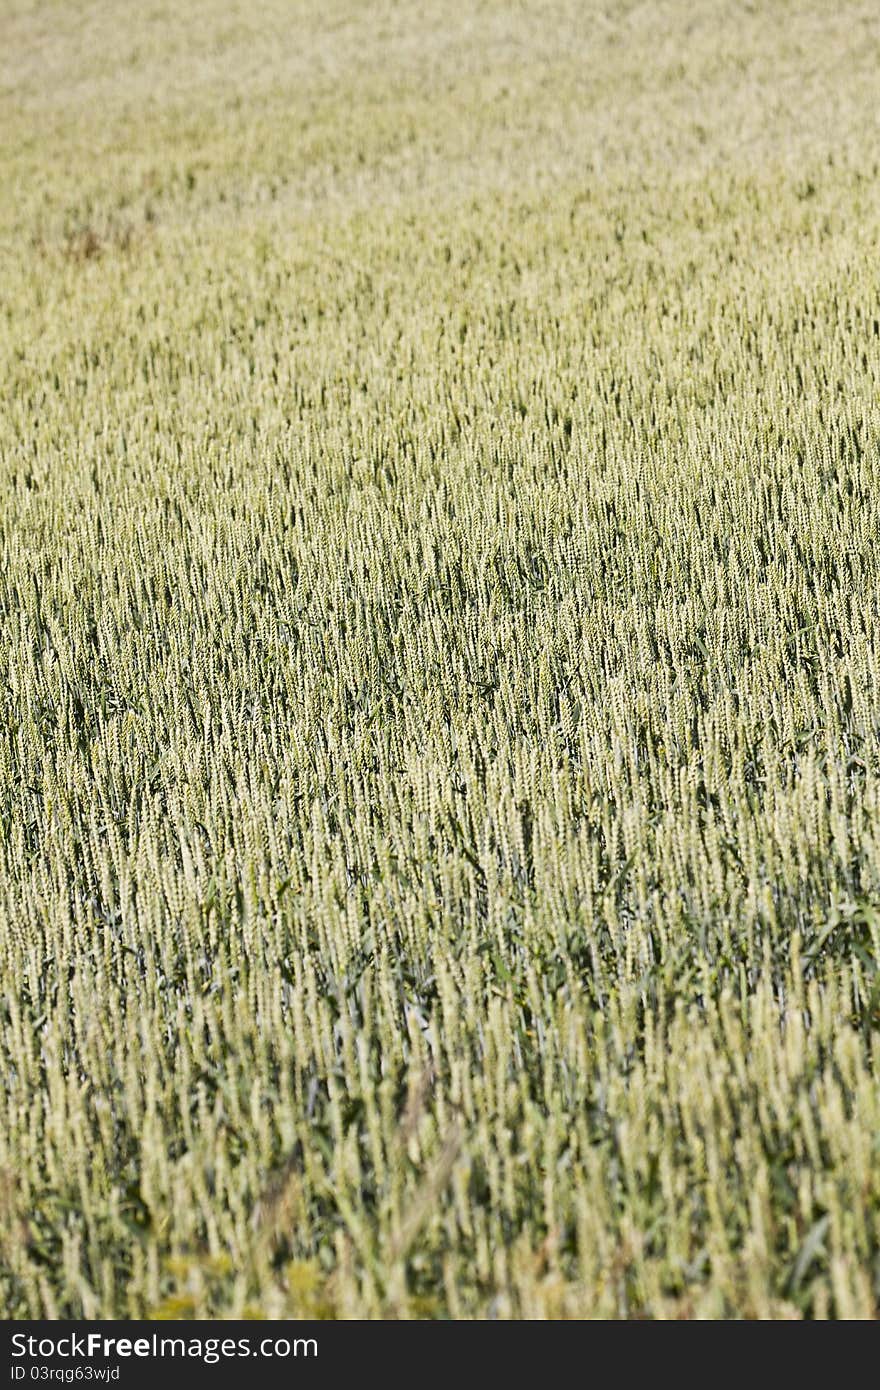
(439, 718)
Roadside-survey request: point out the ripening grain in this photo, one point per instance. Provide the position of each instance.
(439, 661)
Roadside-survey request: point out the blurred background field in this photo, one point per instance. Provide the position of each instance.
(439, 742)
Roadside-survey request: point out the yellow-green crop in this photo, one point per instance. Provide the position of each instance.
(439, 661)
